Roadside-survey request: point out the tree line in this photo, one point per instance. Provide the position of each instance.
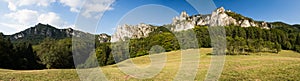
(239, 41)
(18, 55)
(53, 53)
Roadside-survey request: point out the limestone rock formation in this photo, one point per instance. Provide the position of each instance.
(41, 31)
(103, 38)
(182, 22)
(131, 31)
(219, 17)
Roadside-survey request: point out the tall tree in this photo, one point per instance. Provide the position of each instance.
(5, 52)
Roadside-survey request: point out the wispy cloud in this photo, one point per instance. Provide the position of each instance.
(73, 4)
(25, 18)
(89, 8)
(96, 8)
(15, 4)
(51, 18)
(20, 15)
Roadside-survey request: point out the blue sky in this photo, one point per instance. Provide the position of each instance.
(103, 16)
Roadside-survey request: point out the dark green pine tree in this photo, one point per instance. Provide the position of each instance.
(5, 52)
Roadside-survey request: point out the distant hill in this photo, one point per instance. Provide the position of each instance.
(219, 17)
(39, 32)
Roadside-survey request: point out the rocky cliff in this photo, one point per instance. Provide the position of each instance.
(39, 32)
(131, 31)
(44, 30)
(219, 17)
(103, 38)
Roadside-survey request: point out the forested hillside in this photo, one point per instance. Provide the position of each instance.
(239, 41)
(44, 46)
(57, 53)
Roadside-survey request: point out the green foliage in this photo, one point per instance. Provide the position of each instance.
(297, 48)
(6, 49)
(262, 40)
(103, 55)
(236, 45)
(56, 54)
(38, 33)
(279, 24)
(277, 47)
(56, 51)
(202, 34)
(239, 41)
(17, 56)
(140, 47)
(27, 57)
(238, 17)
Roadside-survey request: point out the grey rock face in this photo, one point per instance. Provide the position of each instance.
(246, 23)
(219, 17)
(103, 38)
(131, 31)
(42, 31)
(183, 22)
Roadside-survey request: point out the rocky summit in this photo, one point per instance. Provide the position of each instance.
(219, 17)
(103, 38)
(39, 32)
(131, 31)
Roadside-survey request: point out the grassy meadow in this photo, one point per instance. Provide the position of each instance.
(258, 66)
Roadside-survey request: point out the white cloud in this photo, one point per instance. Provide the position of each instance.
(22, 19)
(14, 4)
(73, 4)
(95, 8)
(52, 19)
(23, 16)
(44, 3)
(12, 26)
(90, 8)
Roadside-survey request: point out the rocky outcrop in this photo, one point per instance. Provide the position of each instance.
(182, 22)
(245, 23)
(41, 31)
(219, 17)
(103, 38)
(131, 31)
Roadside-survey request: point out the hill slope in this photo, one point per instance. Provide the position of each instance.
(264, 66)
(39, 32)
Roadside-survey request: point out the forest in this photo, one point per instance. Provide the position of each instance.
(57, 53)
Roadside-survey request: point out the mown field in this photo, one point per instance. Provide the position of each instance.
(259, 66)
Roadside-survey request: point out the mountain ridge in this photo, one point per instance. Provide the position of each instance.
(39, 32)
(219, 17)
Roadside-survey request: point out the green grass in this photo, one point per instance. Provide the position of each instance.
(260, 66)
(44, 75)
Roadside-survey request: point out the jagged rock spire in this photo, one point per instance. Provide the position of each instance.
(131, 31)
(220, 10)
(184, 14)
